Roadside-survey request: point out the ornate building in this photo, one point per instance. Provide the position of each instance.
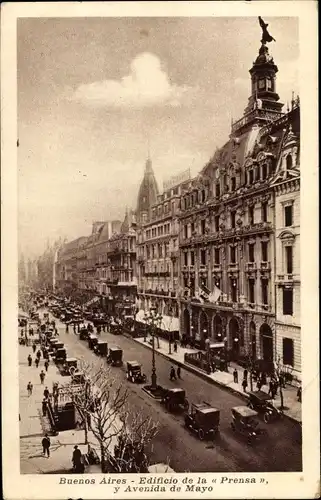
(158, 256)
(229, 223)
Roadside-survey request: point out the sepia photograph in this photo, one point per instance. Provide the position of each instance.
(159, 259)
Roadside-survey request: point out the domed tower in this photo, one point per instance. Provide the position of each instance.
(147, 194)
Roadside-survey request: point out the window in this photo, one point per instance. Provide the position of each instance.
(251, 252)
(217, 190)
(245, 177)
(264, 287)
(233, 183)
(218, 283)
(251, 176)
(192, 228)
(288, 352)
(251, 291)
(257, 174)
(264, 248)
(264, 171)
(251, 215)
(288, 218)
(160, 250)
(232, 255)
(192, 259)
(289, 259)
(233, 217)
(217, 223)
(203, 257)
(202, 196)
(288, 301)
(233, 290)
(264, 212)
(217, 255)
(185, 259)
(185, 232)
(289, 162)
(203, 226)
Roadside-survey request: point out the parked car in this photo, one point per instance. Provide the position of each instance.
(92, 341)
(115, 356)
(261, 402)
(134, 372)
(244, 422)
(101, 348)
(69, 367)
(60, 355)
(204, 420)
(175, 399)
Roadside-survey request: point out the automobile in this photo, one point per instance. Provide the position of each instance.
(115, 328)
(69, 367)
(83, 333)
(261, 402)
(52, 344)
(92, 341)
(57, 345)
(101, 348)
(244, 422)
(134, 372)
(60, 355)
(115, 356)
(203, 419)
(174, 399)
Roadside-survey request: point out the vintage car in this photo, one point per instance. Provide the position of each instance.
(52, 344)
(101, 348)
(244, 422)
(134, 372)
(60, 355)
(83, 333)
(115, 328)
(175, 399)
(115, 356)
(92, 341)
(261, 402)
(203, 419)
(69, 367)
(57, 345)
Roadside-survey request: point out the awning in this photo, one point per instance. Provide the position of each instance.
(140, 316)
(170, 324)
(23, 315)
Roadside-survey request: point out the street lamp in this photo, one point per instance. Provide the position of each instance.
(153, 319)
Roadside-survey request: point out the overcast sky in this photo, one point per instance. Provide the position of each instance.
(92, 91)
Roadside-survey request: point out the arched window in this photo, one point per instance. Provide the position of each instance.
(289, 162)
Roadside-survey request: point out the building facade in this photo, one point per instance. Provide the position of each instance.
(231, 233)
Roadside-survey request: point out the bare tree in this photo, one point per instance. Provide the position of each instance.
(130, 454)
(279, 375)
(100, 400)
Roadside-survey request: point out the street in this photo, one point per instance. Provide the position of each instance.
(278, 451)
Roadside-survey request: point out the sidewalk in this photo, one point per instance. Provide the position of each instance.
(225, 379)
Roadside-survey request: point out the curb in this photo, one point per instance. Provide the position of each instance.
(202, 375)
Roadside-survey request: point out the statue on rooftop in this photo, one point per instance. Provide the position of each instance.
(266, 37)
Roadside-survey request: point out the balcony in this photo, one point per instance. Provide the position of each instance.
(250, 266)
(265, 266)
(216, 268)
(174, 255)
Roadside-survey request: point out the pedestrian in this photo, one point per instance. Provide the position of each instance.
(46, 392)
(29, 360)
(34, 347)
(46, 446)
(172, 375)
(282, 381)
(76, 459)
(178, 372)
(42, 376)
(29, 388)
(259, 384)
(44, 407)
(244, 385)
(299, 394)
(46, 365)
(39, 354)
(270, 388)
(235, 376)
(74, 327)
(175, 346)
(104, 327)
(67, 328)
(245, 374)
(37, 362)
(263, 378)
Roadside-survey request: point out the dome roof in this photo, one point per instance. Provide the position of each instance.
(148, 191)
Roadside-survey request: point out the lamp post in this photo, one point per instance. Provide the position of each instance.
(153, 318)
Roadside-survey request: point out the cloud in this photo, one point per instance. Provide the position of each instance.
(146, 85)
